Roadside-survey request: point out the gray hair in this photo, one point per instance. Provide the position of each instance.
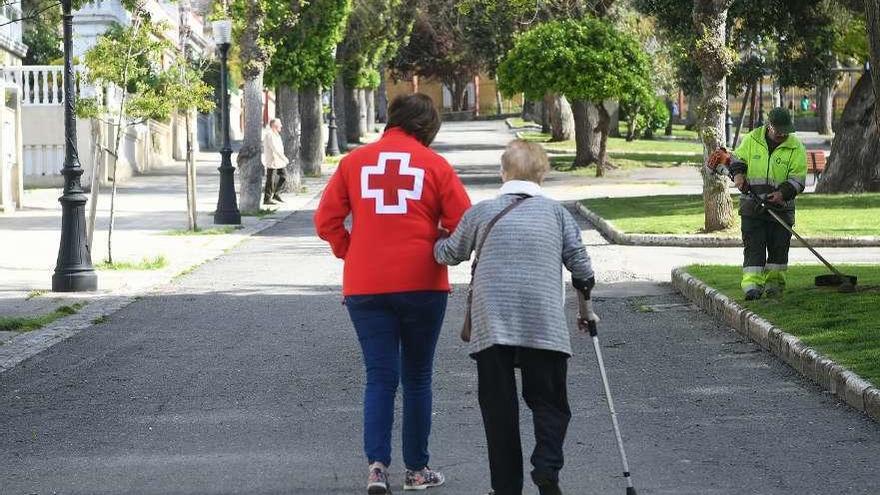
(523, 160)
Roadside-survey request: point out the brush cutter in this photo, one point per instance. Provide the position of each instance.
(845, 283)
(588, 322)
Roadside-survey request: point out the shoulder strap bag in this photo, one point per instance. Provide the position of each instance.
(466, 327)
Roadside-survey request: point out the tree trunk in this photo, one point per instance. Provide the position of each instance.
(95, 180)
(561, 118)
(311, 137)
(854, 164)
(250, 161)
(545, 117)
(603, 128)
(352, 115)
(711, 55)
(586, 138)
(363, 129)
(690, 119)
(824, 110)
(192, 212)
(341, 121)
(382, 98)
(457, 95)
(668, 130)
(288, 102)
(531, 111)
(499, 103)
(371, 110)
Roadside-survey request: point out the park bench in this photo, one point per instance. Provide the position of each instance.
(815, 163)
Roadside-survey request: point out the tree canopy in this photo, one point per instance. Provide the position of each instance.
(584, 59)
(303, 55)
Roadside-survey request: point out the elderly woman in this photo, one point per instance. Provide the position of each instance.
(517, 314)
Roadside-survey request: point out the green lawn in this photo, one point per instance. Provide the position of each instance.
(28, 323)
(818, 214)
(841, 326)
(155, 263)
(621, 145)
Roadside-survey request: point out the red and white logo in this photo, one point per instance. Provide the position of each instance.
(391, 182)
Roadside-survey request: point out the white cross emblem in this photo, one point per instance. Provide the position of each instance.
(404, 183)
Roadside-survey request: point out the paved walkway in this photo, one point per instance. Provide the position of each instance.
(148, 208)
(245, 377)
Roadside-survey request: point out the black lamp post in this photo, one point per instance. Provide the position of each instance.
(227, 207)
(73, 271)
(332, 136)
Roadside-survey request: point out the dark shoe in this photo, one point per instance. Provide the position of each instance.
(754, 294)
(548, 487)
(277, 199)
(268, 201)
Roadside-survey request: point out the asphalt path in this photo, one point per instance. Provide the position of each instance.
(245, 377)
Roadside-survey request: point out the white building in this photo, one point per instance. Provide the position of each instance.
(11, 52)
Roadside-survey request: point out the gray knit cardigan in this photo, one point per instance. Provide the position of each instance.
(518, 288)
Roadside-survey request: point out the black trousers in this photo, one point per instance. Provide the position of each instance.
(544, 379)
(764, 241)
(276, 179)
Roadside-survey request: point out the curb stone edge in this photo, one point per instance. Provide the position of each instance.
(610, 232)
(841, 382)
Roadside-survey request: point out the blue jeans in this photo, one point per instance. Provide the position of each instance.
(398, 334)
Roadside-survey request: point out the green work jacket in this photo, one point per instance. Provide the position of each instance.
(784, 170)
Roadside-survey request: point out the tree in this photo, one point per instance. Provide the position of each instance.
(42, 33)
(249, 19)
(715, 60)
(376, 29)
(854, 165)
(130, 58)
(587, 60)
(439, 49)
(304, 60)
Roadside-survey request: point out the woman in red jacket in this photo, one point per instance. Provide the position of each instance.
(399, 193)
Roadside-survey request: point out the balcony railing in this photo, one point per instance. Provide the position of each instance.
(44, 84)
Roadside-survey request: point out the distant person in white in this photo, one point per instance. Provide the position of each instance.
(276, 161)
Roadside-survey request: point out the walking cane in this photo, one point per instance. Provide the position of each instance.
(588, 321)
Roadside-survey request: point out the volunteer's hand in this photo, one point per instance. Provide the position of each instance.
(739, 180)
(775, 197)
(442, 233)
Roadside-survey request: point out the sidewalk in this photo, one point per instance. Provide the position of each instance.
(148, 208)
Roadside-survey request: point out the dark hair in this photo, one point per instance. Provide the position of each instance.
(416, 115)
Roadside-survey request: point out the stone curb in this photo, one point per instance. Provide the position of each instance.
(674, 240)
(841, 382)
(28, 344)
(509, 123)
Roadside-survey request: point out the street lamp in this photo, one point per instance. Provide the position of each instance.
(73, 271)
(227, 207)
(332, 136)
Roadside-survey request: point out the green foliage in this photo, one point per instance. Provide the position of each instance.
(376, 29)
(304, 54)
(131, 57)
(584, 59)
(42, 32)
(439, 47)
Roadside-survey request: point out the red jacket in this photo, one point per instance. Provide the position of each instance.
(398, 192)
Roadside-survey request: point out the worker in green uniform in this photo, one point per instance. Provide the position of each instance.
(772, 162)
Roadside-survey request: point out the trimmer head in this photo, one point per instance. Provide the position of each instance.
(847, 283)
